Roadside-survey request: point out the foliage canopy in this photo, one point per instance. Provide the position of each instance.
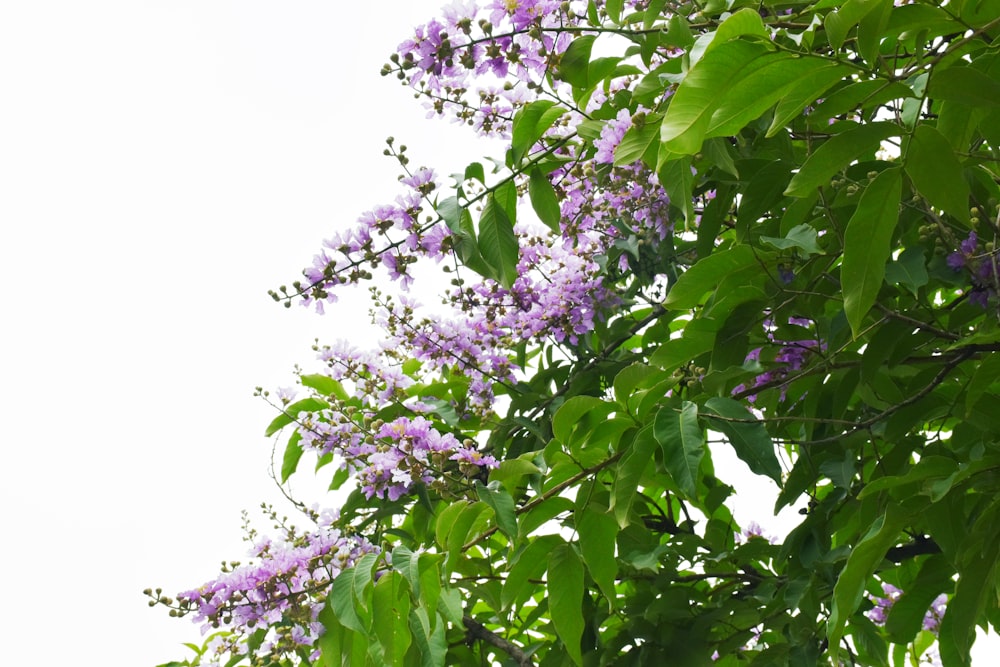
(768, 227)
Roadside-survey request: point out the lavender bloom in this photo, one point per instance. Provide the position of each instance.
(880, 612)
(288, 579)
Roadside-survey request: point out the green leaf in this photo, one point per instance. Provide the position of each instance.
(909, 270)
(867, 245)
(430, 642)
(716, 150)
(936, 172)
(614, 9)
(805, 92)
(544, 200)
(678, 181)
(986, 373)
(530, 123)
(748, 436)
(597, 531)
(676, 352)
(907, 613)
(802, 237)
(342, 602)
(325, 385)
(528, 565)
(497, 497)
(570, 414)
(683, 443)
(707, 273)
(290, 461)
(703, 89)
(446, 520)
(975, 586)
(966, 85)
(498, 243)
(839, 22)
(575, 62)
(468, 525)
(638, 138)
(871, 30)
(861, 565)
(289, 413)
(629, 471)
(836, 154)
(777, 74)
(390, 614)
(565, 596)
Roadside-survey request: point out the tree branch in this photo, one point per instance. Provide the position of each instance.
(478, 631)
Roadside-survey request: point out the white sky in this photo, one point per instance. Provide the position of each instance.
(162, 165)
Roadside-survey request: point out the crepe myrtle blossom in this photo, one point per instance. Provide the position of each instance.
(389, 458)
(558, 296)
(287, 579)
(982, 267)
(891, 594)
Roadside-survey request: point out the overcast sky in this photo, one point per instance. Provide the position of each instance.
(162, 165)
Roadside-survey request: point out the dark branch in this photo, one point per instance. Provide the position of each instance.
(478, 631)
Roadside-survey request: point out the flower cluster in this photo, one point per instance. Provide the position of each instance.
(448, 60)
(288, 580)
(791, 356)
(558, 296)
(880, 612)
(983, 269)
(389, 458)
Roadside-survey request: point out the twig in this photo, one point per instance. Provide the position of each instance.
(478, 631)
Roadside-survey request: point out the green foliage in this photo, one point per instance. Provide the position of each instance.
(814, 312)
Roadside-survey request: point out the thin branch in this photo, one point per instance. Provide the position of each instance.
(479, 631)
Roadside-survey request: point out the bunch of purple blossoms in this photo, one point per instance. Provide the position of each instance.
(514, 45)
(289, 580)
(880, 612)
(792, 356)
(983, 269)
(388, 459)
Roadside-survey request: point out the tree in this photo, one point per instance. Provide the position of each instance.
(768, 227)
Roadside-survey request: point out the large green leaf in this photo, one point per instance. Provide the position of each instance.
(597, 530)
(390, 614)
(840, 21)
(864, 558)
(777, 74)
(707, 273)
(429, 640)
(966, 85)
(574, 65)
(867, 245)
(629, 471)
(543, 199)
(976, 583)
(570, 414)
(638, 139)
(749, 438)
(530, 123)
(683, 443)
(703, 89)
(289, 414)
(936, 173)
(565, 595)
(290, 460)
(325, 385)
(497, 498)
(528, 564)
(498, 243)
(804, 92)
(836, 154)
(907, 613)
